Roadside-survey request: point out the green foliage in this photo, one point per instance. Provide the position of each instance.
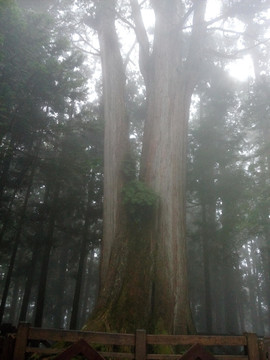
(39, 73)
(140, 201)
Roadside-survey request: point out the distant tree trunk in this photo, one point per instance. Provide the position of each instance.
(37, 245)
(42, 283)
(219, 298)
(4, 175)
(230, 301)
(30, 166)
(5, 223)
(12, 318)
(7, 214)
(81, 265)
(7, 158)
(16, 245)
(207, 237)
(229, 272)
(29, 281)
(241, 302)
(60, 285)
(7, 279)
(258, 290)
(79, 277)
(252, 296)
(89, 293)
(147, 285)
(265, 255)
(254, 293)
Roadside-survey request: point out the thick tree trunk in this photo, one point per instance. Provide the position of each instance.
(143, 268)
(115, 237)
(164, 169)
(116, 133)
(164, 163)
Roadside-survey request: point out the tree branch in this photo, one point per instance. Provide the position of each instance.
(187, 14)
(218, 18)
(139, 27)
(129, 53)
(124, 20)
(227, 31)
(142, 38)
(210, 22)
(238, 54)
(84, 50)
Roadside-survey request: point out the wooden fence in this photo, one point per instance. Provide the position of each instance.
(138, 346)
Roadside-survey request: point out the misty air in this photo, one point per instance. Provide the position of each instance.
(135, 179)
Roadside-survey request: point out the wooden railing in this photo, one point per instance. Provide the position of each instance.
(266, 348)
(138, 346)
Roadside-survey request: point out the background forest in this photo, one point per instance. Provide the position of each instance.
(51, 167)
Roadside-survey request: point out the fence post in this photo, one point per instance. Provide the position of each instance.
(140, 345)
(252, 346)
(8, 348)
(266, 348)
(21, 341)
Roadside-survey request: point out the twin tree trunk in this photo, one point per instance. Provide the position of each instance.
(143, 268)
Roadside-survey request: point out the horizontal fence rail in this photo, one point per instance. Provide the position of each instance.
(138, 346)
(199, 339)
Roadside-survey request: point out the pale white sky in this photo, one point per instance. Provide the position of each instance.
(241, 69)
(213, 9)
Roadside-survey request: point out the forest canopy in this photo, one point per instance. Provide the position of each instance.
(134, 165)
